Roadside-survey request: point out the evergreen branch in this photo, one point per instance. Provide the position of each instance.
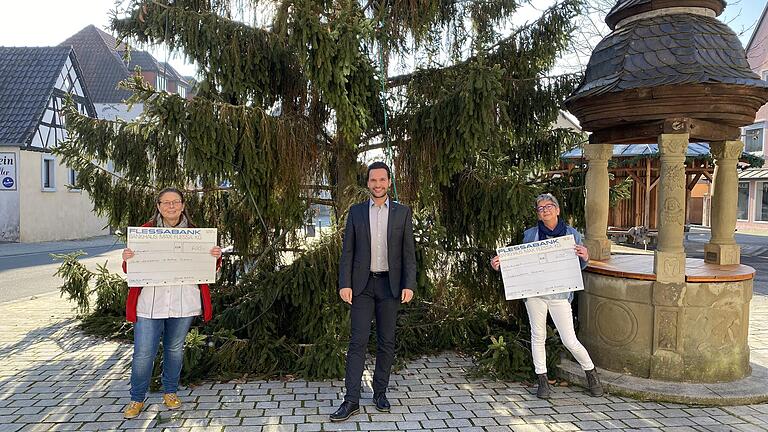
(256, 53)
(368, 147)
(509, 41)
(321, 201)
(318, 187)
(112, 174)
(401, 80)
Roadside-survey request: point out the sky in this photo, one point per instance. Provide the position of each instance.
(49, 22)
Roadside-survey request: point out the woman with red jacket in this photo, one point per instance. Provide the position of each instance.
(163, 312)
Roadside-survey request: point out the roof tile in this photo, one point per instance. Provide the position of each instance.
(29, 75)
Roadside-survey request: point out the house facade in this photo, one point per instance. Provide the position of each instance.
(753, 183)
(105, 63)
(36, 203)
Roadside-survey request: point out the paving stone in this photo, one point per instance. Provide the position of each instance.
(85, 387)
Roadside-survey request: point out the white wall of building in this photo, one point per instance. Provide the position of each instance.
(57, 213)
(112, 112)
(9, 203)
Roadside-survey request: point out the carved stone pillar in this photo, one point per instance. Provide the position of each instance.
(722, 248)
(597, 184)
(669, 262)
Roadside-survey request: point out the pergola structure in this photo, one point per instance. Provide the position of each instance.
(669, 72)
(640, 162)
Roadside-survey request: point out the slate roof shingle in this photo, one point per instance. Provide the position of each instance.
(666, 50)
(28, 78)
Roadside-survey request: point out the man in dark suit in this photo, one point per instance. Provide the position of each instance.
(377, 272)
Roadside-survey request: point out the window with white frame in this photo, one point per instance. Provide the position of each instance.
(162, 83)
(743, 206)
(761, 201)
(48, 173)
(182, 91)
(72, 180)
(753, 140)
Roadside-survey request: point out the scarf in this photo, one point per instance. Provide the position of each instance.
(559, 231)
(183, 223)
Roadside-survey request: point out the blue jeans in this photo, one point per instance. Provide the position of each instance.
(146, 339)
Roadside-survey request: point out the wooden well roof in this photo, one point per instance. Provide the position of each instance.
(677, 64)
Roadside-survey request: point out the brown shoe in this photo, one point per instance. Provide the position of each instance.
(171, 401)
(133, 409)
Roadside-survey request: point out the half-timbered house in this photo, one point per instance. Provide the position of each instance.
(36, 203)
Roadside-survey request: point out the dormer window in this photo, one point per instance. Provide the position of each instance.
(162, 83)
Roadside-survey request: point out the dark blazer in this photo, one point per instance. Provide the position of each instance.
(355, 263)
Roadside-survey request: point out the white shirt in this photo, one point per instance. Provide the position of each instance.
(378, 216)
(171, 301)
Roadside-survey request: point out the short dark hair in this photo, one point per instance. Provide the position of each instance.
(169, 190)
(379, 165)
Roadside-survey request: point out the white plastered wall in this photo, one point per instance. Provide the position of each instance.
(53, 215)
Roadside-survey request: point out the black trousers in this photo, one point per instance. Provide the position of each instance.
(376, 299)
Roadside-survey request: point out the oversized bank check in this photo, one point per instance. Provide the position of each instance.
(171, 256)
(538, 268)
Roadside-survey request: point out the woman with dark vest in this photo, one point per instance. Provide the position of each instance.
(559, 305)
(163, 312)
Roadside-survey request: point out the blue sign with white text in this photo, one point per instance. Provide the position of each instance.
(7, 171)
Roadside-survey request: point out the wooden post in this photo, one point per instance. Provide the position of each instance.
(647, 209)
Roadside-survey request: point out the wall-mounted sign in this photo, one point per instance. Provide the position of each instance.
(8, 178)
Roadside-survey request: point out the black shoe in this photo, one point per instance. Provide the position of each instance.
(543, 392)
(345, 411)
(382, 404)
(593, 383)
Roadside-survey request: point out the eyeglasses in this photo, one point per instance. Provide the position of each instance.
(548, 207)
(173, 203)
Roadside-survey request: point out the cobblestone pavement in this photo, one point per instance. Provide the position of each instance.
(54, 378)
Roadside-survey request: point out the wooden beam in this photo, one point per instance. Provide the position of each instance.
(648, 132)
(677, 125)
(647, 206)
(687, 202)
(724, 104)
(710, 131)
(634, 134)
(655, 182)
(695, 180)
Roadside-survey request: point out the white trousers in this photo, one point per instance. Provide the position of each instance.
(560, 309)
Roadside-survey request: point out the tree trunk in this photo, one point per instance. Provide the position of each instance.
(346, 176)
